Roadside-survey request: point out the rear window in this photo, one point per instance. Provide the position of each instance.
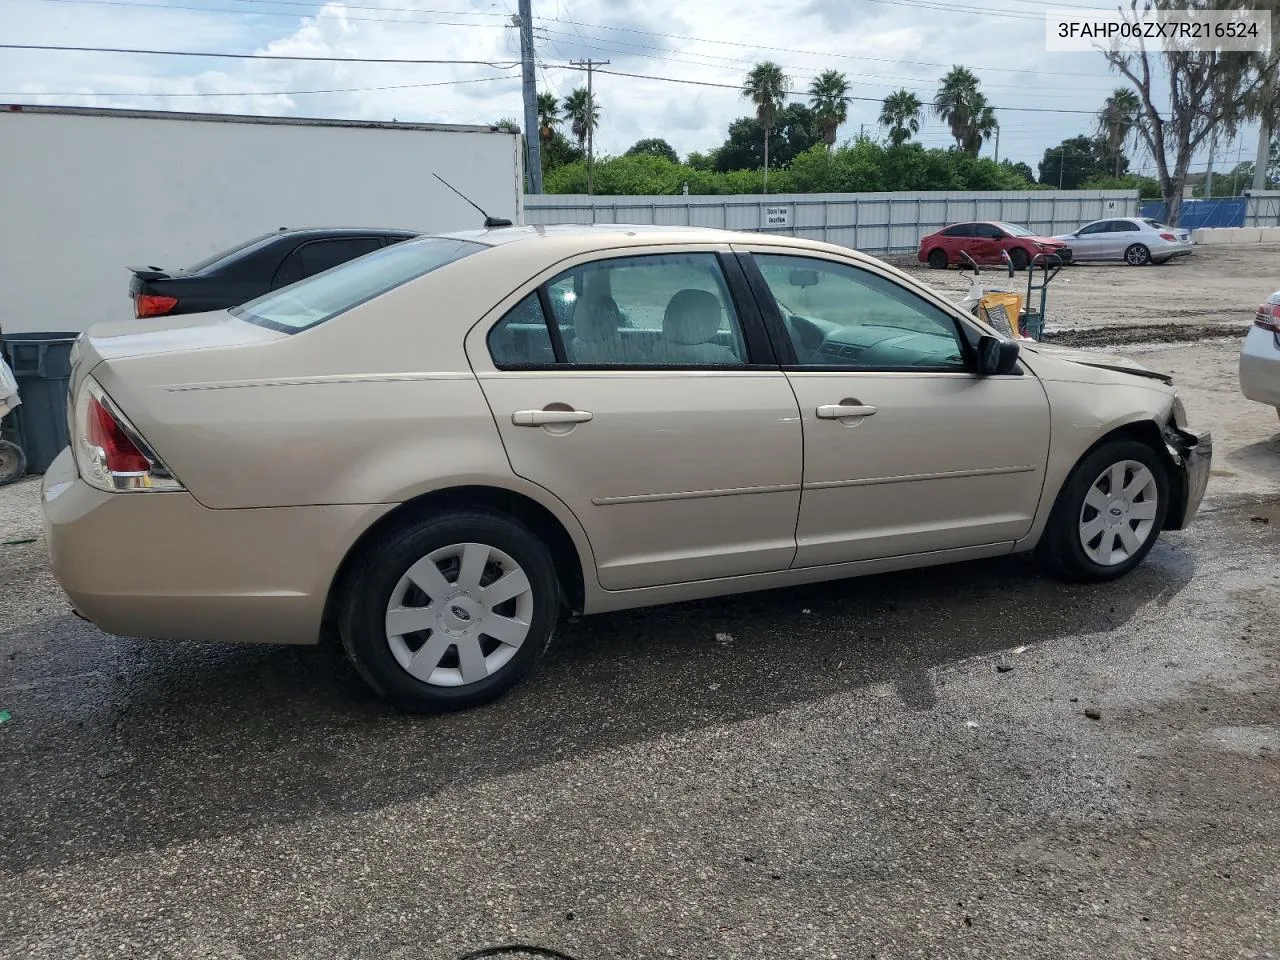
(222, 257)
(322, 297)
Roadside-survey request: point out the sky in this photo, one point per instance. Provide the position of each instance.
(881, 45)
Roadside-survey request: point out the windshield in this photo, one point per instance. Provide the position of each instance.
(1014, 230)
(322, 297)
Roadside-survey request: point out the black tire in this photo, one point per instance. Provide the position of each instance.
(13, 462)
(1061, 548)
(938, 259)
(1018, 258)
(1137, 255)
(378, 570)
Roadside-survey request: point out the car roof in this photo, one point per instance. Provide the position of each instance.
(582, 237)
(344, 232)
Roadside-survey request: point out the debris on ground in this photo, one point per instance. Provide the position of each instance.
(5, 716)
(1093, 713)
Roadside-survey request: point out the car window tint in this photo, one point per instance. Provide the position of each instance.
(325, 295)
(839, 315)
(521, 338)
(1123, 226)
(226, 258)
(320, 255)
(1095, 228)
(959, 230)
(290, 271)
(990, 231)
(1155, 223)
(661, 310)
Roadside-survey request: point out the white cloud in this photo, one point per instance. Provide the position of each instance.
(880, 46)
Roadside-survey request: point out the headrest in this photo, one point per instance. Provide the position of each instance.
(693, 316)
(596, 319)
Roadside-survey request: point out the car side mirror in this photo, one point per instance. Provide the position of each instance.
(996, 357)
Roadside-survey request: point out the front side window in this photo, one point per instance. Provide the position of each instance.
(325, 295)
(1095, 228)
(839, 315)
(658, 310)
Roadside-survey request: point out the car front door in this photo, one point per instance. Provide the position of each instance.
(1090, 242)
(639, 391)
(906, 449)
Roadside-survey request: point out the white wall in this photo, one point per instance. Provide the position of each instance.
(86, 194)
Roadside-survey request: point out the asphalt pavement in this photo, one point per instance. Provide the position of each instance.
(971, 761)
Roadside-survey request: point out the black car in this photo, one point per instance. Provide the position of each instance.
(251, 269)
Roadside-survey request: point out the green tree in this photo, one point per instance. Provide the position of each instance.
(900, 112)
(653, 147)
(548, 116)
(963, 106)
(507, 125)
(1019, 170)
(583, 113)
(1075, 160)
(795, 130)
(829, 99)
(1118, 122)
(766, 86)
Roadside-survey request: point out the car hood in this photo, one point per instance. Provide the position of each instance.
(1066, 360)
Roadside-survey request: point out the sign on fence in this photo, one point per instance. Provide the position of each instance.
(1110, 206)
(777, 216)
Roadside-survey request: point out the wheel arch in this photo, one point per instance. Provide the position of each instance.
(571, 556)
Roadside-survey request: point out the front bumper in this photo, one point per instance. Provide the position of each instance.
(1193, 456)
(163, 565)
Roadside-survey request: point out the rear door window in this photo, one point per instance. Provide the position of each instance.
(319, 255)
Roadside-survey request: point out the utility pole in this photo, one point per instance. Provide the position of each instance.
(997, 144)
(589, 65)
(1208, 173)
(532, 134)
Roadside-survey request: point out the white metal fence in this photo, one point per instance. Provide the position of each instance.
(874, 222)
(1263, 209)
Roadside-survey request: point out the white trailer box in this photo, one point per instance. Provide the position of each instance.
(88, 191)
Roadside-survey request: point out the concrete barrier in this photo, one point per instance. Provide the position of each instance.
(1232, 236)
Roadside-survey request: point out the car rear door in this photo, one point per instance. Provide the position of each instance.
(906, 451)
(638, 389)
(1120, 235)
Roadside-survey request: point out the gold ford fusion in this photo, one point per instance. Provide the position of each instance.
(440, 447)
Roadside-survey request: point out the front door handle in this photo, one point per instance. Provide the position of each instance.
(541, 418)
(841, 411)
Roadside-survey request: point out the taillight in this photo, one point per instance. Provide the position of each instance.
(109, 452)
(1268, 317)
(152, 305)
(1169, 236)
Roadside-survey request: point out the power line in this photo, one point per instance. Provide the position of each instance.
(317, 14)
(254, 93)
(255, 56)
(310, 6)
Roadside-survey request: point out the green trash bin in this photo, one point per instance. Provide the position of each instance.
(41, 363)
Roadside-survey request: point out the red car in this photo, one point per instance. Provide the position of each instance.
(985, 241)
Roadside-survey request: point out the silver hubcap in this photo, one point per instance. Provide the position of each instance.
(1119, 513)
(1137, 255)
(459, 614)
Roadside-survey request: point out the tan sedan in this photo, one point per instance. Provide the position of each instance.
(440, 447)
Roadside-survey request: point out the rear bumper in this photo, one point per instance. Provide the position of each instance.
(1193, 456)
(1260, 366)
(1171, 250)
(162, 565)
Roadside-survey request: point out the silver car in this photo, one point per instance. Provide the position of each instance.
(1135, 240)
(1260, 355)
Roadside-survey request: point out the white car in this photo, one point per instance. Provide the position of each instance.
(1136, 241)
(1260, 355)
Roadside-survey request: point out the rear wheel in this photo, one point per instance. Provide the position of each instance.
(450, 612)
(1018, 257)
(1109, 513)
(13, 462)
(938, 259)
(1137, 255)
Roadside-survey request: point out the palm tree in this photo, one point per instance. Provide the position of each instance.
(829, 97)
(954, 102)
(548, 115)
(1118, 121)
(982, 125)
(582, 113)
(766, 86)
(900, 112)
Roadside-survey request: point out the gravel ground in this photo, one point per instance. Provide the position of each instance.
(971, 761)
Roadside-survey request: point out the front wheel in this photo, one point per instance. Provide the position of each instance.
(1137, 256)
(13, 462)
(1109, 513)
(449, 612)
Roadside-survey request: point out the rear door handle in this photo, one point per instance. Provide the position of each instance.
(839, 411)
(540, 418)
